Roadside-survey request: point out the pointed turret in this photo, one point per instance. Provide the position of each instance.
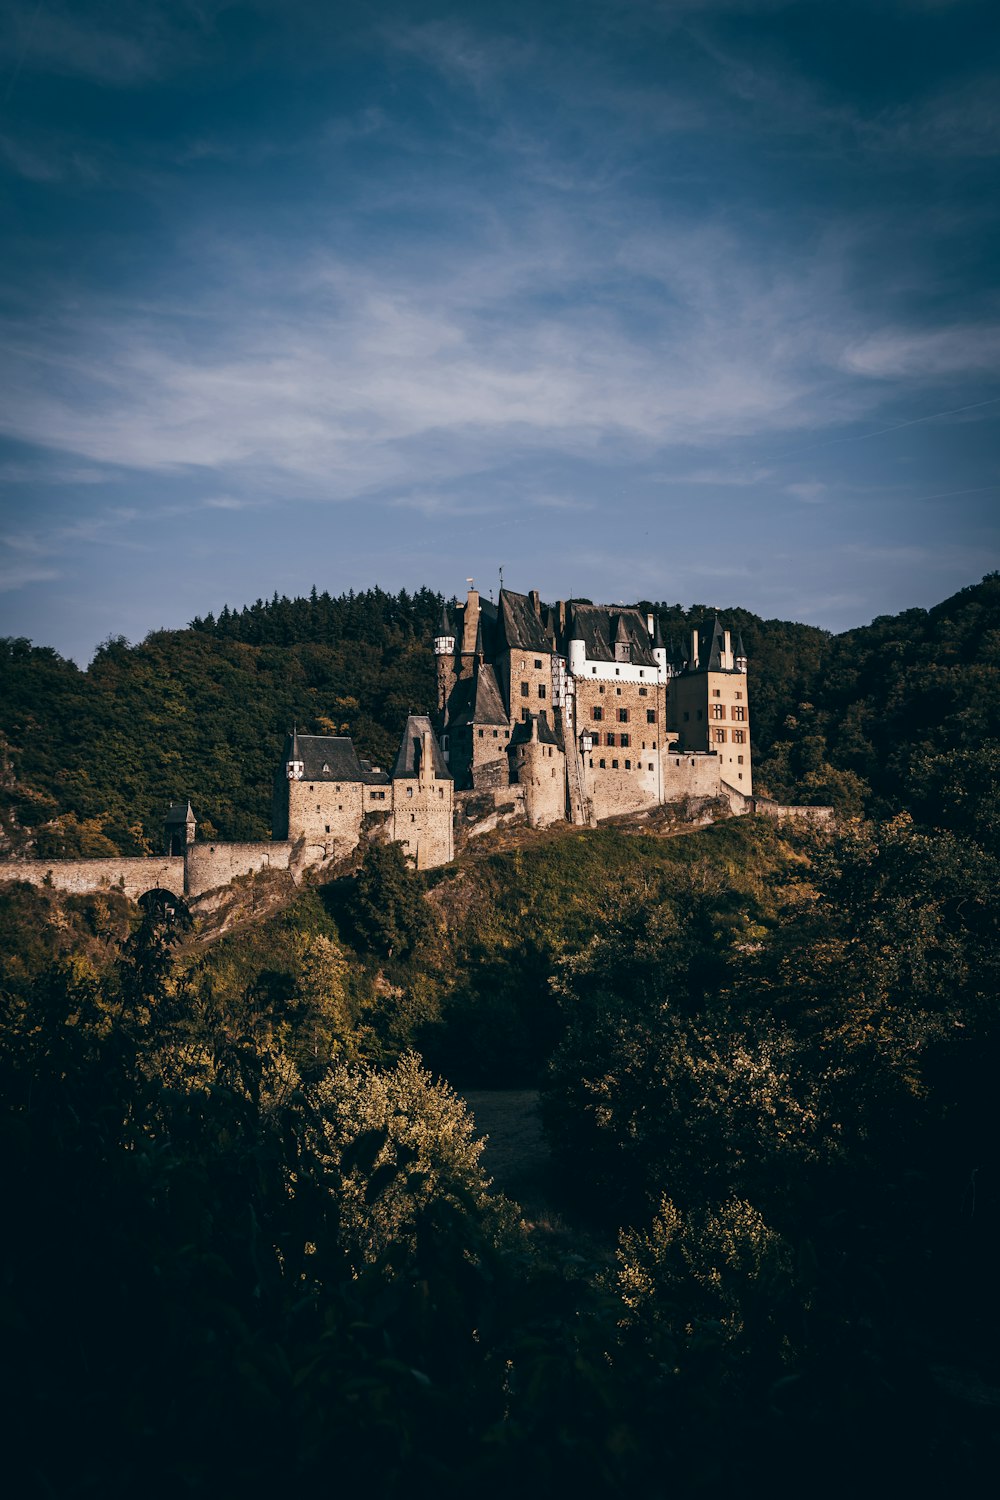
(740, 656)
(444, 641)
(713, 655)
(294, 765)
(660, 650)
(479, 641)
(622, 641)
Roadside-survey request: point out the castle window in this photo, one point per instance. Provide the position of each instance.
(328, 828)
(716, 692)
(537, 662)
(650, 715)
(597, 712)
(719, 736)
(593, 671)
(718, 710)
(317, 807)
(739, 760)
(740, 775)
(611, 739)
(618, 692)
(628, 765)
(624, 740)
(601, 688)
(603, 764)
(739, 736)
(413, 817)
(325, 766)
(541, 690)
(654, 744)
(739, 712)
(623, 716)
(643, 692)
(409, 791)
(480, 734)
(494, 734)
(650, 766)
(524, 690)
(440, 791)
(618, 671)
(614, 765)
(738, 695)
(642, 672)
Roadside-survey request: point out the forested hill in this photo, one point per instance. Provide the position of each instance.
(878, 718)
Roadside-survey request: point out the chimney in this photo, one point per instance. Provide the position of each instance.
(426, 772)
(650, 625)
(470, 622)
(694, 649)
(536, 602)
(561, 613)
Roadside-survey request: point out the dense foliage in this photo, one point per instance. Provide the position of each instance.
(250, 1244)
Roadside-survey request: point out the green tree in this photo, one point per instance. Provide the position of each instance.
(390, 909)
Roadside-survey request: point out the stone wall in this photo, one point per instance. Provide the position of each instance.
(133, 877)
(691, 775)
(212, 865)
(541, 771)
(329, 813)
(422, 820)
(477, 813)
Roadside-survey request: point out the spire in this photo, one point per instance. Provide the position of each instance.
(621, 634)
(294, 767)
(716, 646)
(657, 634)
(479, 638)
(444, 628)
(740, 655)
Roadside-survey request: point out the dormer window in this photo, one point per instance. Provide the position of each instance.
(325, 766)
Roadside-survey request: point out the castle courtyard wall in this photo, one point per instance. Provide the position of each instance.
(328, 814)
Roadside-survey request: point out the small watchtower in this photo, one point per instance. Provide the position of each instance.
(178, 828)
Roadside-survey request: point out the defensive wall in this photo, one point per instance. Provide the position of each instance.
(79, 877)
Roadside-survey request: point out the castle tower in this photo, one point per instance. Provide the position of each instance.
(178, 828)
(709, 707)
(444, 651)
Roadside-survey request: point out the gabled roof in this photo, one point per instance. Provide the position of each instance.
(592, 624)
(180, 812)
(477, 700)
(522, 730)
(325, 757)
(520, 629)
(408, 759)
(711, 644)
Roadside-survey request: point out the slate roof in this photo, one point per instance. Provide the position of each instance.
(327, 757)
(598, 627)
(417, 725)
(546, 734)
(710, 646)
(179, 812)
(520, 629)
(477, 700)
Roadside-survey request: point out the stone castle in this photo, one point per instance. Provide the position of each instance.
(545, 713)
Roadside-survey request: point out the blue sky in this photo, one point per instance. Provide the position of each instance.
(663, 298)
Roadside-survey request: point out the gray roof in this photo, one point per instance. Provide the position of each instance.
(520, 628)
(180, 812)
(408, 759)
(592, 624)
(477, 700)
(710, 646)
(328, 757)
(522, 730)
